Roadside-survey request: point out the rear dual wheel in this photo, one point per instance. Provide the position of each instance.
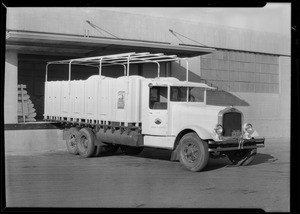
(71, 140)
(85, 143)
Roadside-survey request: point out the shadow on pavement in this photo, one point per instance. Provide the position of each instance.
(153, 153)
(213, 164)
(262, 158)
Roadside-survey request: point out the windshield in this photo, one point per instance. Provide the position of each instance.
(180, 94)
(196, 94)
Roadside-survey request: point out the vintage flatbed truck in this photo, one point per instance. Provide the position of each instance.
(130, 112)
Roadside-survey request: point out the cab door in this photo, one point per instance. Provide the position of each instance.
(155, 110)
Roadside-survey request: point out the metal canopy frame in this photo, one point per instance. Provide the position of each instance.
(124, 60)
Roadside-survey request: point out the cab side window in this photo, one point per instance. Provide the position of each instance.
(158, 97)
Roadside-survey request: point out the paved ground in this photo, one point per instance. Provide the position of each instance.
(58, 179)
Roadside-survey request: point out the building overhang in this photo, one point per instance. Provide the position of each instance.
(74, 45)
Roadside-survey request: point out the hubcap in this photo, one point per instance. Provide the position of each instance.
(72, 140)
(84, 142)
(191, 152)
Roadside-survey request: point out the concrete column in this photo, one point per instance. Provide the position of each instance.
(11, 88)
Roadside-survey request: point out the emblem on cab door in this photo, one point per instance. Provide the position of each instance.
(157, 121)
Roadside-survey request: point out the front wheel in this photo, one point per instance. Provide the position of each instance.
(193, 152)
(242, 157)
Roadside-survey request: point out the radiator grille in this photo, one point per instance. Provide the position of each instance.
(231, 121)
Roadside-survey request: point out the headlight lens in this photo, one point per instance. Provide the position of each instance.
(219, 129)
(248, 128)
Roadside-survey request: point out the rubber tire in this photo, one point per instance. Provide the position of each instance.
(131, 150)
(87, 135)
(201, 160)
(72, 149)
(242, 157)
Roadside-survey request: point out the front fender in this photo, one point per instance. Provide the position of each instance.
(203, 133)
(255, 134)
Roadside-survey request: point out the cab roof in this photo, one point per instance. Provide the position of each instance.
(172, 81)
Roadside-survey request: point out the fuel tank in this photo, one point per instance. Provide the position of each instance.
(126, 137)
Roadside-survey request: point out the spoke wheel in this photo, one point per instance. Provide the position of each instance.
(85, 142)
(242, 157)
(193, 152)
(71, 141)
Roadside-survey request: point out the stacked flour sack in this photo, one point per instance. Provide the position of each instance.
(26, 112)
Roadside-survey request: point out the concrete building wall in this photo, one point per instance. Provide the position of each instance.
(11, 88)
(141, 27)
(270, 112)
(236, 71)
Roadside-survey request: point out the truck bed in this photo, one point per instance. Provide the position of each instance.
(95, 100)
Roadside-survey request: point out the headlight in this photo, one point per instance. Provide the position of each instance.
(248, 128)
(219, 129)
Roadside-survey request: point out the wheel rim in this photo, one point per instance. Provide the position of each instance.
(191, 152)
(72, 141)
(83, 144)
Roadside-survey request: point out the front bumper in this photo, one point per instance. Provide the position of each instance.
(235, 144)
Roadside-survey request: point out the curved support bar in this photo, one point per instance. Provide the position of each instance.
(128, 65)
(70, 69)
(187, 69)
(100, 67)
(124, 69)
(46, 78)
(158, 69)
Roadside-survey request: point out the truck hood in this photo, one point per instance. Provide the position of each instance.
(194, 114)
